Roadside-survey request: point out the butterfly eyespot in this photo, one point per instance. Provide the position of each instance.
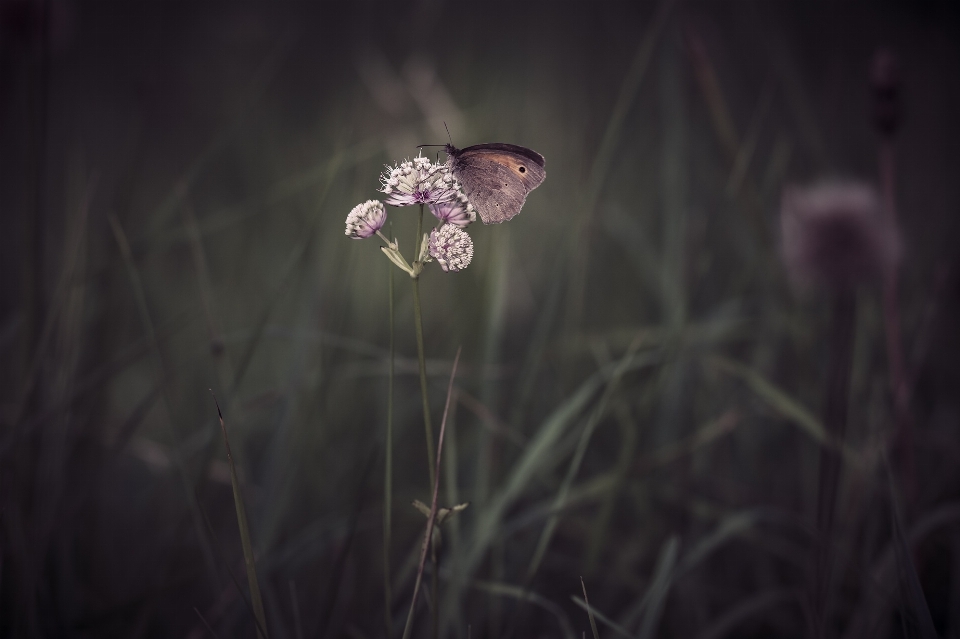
(522, 169)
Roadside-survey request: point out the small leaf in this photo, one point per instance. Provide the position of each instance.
(442, 513)
(424, 255)
(422, 507)
(396, 258)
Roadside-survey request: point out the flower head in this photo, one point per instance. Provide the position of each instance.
(457, 210)
(835, 234)
(418, 181)
(451, 247)
(366, 219)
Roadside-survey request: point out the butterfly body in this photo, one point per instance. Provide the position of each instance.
(496, 177)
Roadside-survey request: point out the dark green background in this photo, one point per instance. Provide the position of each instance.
(228, 141)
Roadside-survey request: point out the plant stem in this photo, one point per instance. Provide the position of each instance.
(432, 517)
(249, 559)
(835, 423)
(434, 593)
(891, 311)
(418, 320)
(388, 474)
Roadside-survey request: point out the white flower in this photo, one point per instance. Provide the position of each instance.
(418, 181)
(366, 219)
(457, 211)
(451, 247)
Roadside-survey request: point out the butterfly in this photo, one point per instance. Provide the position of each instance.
(496, 177)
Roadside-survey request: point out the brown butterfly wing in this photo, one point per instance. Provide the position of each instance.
(496, 178)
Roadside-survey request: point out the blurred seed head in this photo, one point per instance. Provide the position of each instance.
(886, 79)
(834, 235)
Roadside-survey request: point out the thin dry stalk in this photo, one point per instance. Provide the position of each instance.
(248, 557)
(432, 518)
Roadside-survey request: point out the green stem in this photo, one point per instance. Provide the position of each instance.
(428, 427)
(388, 475)
(418, 319)
(434, 590)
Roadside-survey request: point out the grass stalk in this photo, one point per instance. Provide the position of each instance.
(891, 317)
(606, 153)
(835, 423)
(255, 599)
(388, 471)
(432, 518)
(206, 624)
(586, 600)
(592, 422)
(162, 375)
(295, 604)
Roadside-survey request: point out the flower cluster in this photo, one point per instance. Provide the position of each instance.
(451, 247)
(457, 210)
(366, 219)
(420, 181)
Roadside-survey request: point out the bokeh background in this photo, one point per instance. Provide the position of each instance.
(639, 394)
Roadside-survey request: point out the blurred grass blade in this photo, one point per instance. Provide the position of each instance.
(294, 265)
(527, 466)
(535, 459)
(915, 615)
(612, 138)
(586, 600)
(255, 599)
(605, 620)
(340, 562)
(295, 604)
(656, 593)
(71, 264)
(260, 79)
(745, 610)
(629, 430)
(688, 445)
(226, 563)
(522, 594)
(205, 624)
(140, 297)
(533, 359)
(775, 397)
(598, 413)
(731, 526)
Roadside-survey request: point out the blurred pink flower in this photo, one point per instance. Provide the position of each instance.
(835, 235)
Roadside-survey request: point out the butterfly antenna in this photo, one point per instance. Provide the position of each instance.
(448, 132)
